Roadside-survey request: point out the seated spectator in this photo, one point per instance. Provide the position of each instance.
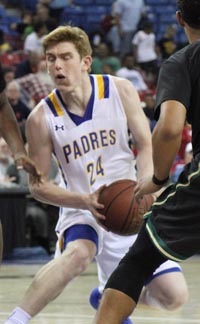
(44, 14)
(130, 71)
(25, 26)
(56, 7)
(38, 85)
(5, 47)
(108, 69)
(179, 165)
(167, 45)
(19, 107)
(8, 73)
(33, 42)
(148, 108)
(28, 65)
(104, 56)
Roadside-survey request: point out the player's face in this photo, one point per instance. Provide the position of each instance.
(65, 65)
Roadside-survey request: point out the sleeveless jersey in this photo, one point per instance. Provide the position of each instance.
(91, 150)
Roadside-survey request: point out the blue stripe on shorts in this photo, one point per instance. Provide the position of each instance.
(172, 269)
(80, 231)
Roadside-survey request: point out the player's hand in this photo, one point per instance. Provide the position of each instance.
(145, 186)
(25, 163)
(93, 205)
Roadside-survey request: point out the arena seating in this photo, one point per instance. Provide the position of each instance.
(88, 15)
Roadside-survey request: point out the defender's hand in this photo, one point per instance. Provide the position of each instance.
(24, 162)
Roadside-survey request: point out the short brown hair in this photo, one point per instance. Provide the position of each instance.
(190, 10)
(70, 34)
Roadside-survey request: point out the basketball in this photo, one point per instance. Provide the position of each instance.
(124, 215)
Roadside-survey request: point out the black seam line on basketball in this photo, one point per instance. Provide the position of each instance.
(116, 197)
(127, 218)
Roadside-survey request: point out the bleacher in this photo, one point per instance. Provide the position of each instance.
(88, 15)
(163, 13)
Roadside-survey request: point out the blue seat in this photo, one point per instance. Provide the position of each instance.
(160, 9)
(156, 2)
(2, 11)
(83, 2)
(97, 10)
(104, 2)
(29, 4)
(73, 15)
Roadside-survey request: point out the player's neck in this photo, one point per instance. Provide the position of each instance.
(77, 100)
(193, 35)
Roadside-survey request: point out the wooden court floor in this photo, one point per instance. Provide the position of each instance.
(72, 306)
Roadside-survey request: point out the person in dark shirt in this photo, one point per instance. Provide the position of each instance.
(149, 105)
(20, 109)
(28, 65)
(172, 226)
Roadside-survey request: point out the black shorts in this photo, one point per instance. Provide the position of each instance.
(173, 223)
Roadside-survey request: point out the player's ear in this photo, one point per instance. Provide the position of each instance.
(180, 18)
(86, 62)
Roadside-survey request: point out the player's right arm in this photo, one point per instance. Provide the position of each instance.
(40, 150)
(138, 125)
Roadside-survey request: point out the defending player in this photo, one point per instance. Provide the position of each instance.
(172, 228)
(84, 122)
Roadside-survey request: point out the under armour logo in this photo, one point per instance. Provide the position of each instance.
(59, 127)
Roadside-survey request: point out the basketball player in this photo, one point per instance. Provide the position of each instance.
(172, 227)
(84, 122)
(11, 133)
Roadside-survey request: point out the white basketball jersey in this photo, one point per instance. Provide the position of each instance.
(91, 150)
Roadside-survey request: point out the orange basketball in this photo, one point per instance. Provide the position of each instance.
(124, 215)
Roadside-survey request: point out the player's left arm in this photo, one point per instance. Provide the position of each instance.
(138, 125)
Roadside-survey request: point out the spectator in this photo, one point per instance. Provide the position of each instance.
(103, 56)
(4, 45)
(25, 26)
(8, 73)
(20, 109)
(110, 29)
(144, 47)
(167, 44)
(56, 6)
(37, 85)
(129, 71)
(149, 105)
(127, 14)
(28, 65)
(44, 14)
(33, 42)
